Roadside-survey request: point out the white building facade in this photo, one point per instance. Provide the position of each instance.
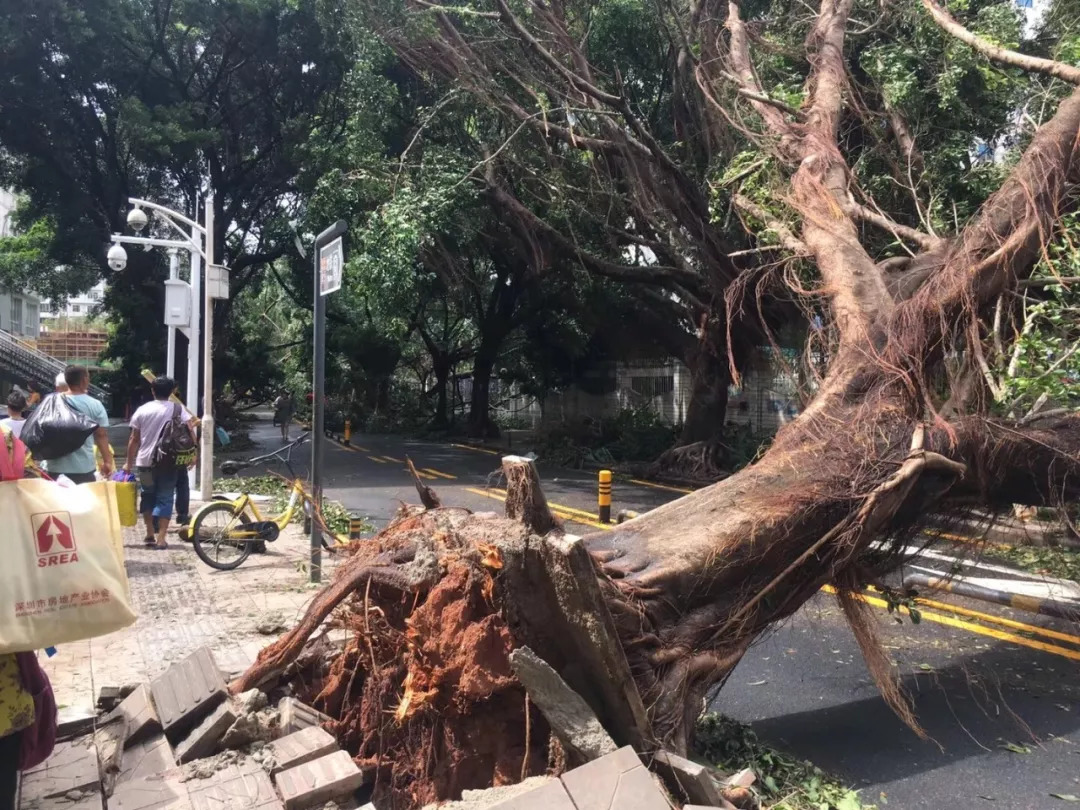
(20, 312)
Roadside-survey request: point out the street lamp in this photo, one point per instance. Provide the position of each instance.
(185, 318)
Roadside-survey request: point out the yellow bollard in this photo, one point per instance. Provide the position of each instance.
(357, 526)
(603, 500)
(348, 432)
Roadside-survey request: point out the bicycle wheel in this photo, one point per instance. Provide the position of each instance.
(211, 534)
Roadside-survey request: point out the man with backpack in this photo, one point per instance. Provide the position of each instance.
(162, 446)
(80, 465)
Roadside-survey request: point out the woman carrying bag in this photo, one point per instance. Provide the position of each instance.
(27, 706)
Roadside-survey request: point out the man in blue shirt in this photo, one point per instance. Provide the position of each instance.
(80, 465)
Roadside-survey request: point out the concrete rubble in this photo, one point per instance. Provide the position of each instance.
(181, 743)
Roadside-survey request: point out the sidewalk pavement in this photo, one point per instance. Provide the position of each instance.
(183, 604)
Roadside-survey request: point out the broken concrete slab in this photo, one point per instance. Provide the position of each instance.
(550, 796)
(296, 715)
(187, 692)
(147, 758)
(74, 722)
(108, 698)
(139, 713)
(237, 787)
(77, 800)
(569, 716)
(203, 740)
(617, 781)
(691, 780)
(109, 742)
(488, 798)
(319, 781)
(300, 747)
(73, 766)
(160, 792)
(744, 778)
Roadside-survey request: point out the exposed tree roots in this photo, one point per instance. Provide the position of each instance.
(422, 693)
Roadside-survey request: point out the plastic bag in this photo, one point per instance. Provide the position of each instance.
(56, 429)
(127, 497)
(63, 577)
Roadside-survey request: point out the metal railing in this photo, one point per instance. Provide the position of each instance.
(27, 364)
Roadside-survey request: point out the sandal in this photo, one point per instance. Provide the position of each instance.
(161, 548)
(149, 540)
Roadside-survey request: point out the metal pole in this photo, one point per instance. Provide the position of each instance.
(170, 351)
(317, 399)
(193, 339)
(206, 481)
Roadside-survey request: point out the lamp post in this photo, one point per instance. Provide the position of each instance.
(193, 243)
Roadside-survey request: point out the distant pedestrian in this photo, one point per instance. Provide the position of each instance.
(157, 479)
(284, 408)
(80, 465)
(61, 383)
(16, 406)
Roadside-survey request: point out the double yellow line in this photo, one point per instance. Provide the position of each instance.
(557, 509)
(983, 630)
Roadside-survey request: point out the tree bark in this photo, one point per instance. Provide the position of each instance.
(480, 425)
(706, 412)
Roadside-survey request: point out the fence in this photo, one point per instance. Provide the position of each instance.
(767, 398)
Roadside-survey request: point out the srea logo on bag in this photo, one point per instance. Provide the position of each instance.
(54, 538)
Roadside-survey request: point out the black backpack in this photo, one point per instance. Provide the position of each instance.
(175, 445)
(56, 428)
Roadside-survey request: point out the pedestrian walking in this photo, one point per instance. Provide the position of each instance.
(153, 426)
(80, 465)
(284, 408)
(16, 406)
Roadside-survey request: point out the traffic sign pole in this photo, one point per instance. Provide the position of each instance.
(330, 238)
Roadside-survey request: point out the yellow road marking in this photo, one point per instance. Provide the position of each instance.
(423, 474)
(477, 449)
(377, 460)
(1031, 628)
(394, 460)
(500, 495)
(439, 474)
(355, 448)
(654, 485)
(974, 628)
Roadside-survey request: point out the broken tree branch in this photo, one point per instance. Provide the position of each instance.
(1034, 64)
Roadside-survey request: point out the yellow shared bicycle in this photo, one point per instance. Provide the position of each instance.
(224, 532)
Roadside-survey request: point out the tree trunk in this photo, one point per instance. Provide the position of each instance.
(707, 409)
(480, 425)
(441, 366)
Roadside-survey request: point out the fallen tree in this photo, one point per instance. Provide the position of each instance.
(643, 621)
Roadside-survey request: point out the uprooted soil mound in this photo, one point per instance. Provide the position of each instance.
(421, 694)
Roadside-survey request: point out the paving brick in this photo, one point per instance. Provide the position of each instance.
(319, 781)
(72, 766)
(187, 692)
(691, 780)
(550, 796)
(617, 781)
(296, 715)
(300, 747)
(203, 739)
(152, 793)
(147, 758)
(237, 787)
(139, 712)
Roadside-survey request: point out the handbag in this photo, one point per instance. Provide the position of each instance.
(36, 742)
(63, 577)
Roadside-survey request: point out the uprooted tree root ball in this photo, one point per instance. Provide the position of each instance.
(422, 694)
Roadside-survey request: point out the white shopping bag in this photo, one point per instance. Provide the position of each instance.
(63, 576)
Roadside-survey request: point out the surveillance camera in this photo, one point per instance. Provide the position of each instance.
(117, 258)
(136, 219)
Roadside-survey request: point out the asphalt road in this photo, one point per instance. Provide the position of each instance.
(984, 679)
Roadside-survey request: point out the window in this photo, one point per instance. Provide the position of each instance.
(31, 318)
(75, 308)
(95, 295)
(16, 315)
